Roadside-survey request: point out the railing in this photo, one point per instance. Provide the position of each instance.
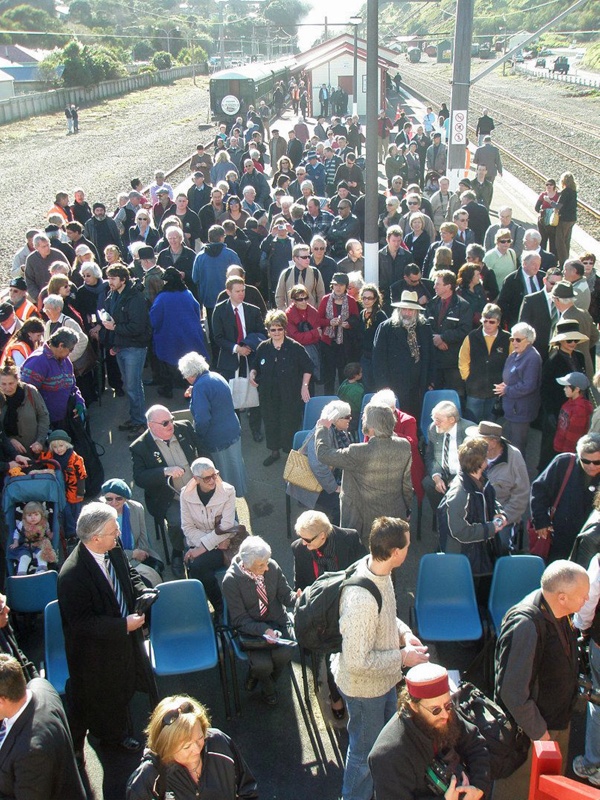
(548, 74)
(547, 783)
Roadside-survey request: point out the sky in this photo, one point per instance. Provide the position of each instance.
(335, 10)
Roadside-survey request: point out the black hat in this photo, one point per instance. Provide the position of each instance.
(563, 290)
(341, 278)
(146, 252)
(6, 309)
(18, 283)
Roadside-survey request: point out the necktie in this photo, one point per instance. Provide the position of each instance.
(446, 453)
(2, 732)
(238, 325)
(115, 585)
(532, 286)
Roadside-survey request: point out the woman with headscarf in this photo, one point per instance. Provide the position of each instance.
(132, 524)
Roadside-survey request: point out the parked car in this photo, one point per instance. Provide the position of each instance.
(561, 64)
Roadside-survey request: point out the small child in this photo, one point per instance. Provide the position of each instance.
(73, 469)
(32, 541)
(352, 391)
(574, 416)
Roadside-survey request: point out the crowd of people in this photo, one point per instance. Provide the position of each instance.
(247, 292)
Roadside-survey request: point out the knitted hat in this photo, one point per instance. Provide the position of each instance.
(59, 436)
(116, 486)
(426, 681)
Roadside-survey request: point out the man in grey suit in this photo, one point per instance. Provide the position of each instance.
(489, 156)
(446, 433)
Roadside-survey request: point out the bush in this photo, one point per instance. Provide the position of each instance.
(162, 60)
(185, 55)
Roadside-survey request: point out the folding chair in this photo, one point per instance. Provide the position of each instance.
(182, 634)
(445, 606)
(160, 530)
(30, 594)
(312, 410)
(299, 438)
(57, 670)
(513, 578)
(432, 398)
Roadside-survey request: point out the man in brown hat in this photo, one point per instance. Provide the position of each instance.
(403, 354)
(427, 729)
(563, 296)
(507, 473)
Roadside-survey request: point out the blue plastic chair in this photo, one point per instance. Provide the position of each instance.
(30, 594)
(445, 605)
(513, 578)
(312, 410)
(57, 670)
(299, 438)
(182, 634)
(432, 398)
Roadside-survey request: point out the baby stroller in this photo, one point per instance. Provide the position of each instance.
(44, 487)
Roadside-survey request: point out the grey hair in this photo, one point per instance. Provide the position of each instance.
(505, 210)
(524, 328)
(447, 408)
(492, 310)
(380, 419)
(384, 397)
(254, 549)
(307, 185)
(64, 336)
(40, 237)
(530, 256)
(59, 268)
(92, 268)
(248, 190)
(152, 411)
(200, 465)
(355, 279)
(531, 233)
(393, 201)
(335, 410)
(590, 443)
(93, 518)
(177, 231)
(314, 522)
(54, 301)
(561, 575)
(192, 364)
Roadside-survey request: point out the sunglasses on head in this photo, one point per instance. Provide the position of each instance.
(170, 717)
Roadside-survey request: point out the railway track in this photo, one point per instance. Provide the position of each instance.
(429, 92)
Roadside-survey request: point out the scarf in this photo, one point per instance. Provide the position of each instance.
(35, 534)
(336, 333)
(126, 533)
(411, 337)
(11, 418)
(325, 559)
(261, 590)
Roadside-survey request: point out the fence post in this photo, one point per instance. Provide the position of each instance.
(547, 760)
(547, 783)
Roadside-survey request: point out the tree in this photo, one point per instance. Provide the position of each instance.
(142, 50)
(162, 60)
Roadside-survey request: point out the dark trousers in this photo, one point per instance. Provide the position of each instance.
(267, 665)
(113, 373)
(333, 361)
(203, 568)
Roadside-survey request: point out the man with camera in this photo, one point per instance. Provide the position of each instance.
(427, 748)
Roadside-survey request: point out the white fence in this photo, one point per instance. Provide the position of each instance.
(571, 77)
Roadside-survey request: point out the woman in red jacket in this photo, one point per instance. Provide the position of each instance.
(306, 326)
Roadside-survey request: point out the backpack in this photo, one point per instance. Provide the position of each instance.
(507, 744)
(317, 614)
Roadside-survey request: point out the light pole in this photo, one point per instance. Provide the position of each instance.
(356, 21)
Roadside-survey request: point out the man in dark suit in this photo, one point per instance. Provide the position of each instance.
(37, 761)
(465, 235)
(479, 218)
(539, 311)
(532, 240)
(413, 281)
(448, 232)
(528, 279)
(446, 433)
(104, 643)
(161, 464)
(238, 328)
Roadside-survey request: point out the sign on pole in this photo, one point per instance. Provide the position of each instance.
(458, 128)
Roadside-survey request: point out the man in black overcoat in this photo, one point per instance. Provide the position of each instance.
(37, 761)
(104, 641)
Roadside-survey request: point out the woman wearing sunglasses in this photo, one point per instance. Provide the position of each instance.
(188, 759)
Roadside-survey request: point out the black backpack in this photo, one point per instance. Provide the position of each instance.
(317, 614)
(507, 744)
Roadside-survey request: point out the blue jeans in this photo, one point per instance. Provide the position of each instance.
(72, 512)
(131, 362)
(366, 718)
(480, 408)
(592, 727)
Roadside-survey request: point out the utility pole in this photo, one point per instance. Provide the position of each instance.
(371, 165)
(459, 100)
(221, 35)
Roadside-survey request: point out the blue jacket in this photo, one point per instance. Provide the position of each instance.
(316, 174)
(216, 422)
(176, 326)
(522, 376)
(209, 270)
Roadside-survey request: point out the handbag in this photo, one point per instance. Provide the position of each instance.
(551, 217)
(86, 361)
(298, 472)
(243, 393)
(537, 545)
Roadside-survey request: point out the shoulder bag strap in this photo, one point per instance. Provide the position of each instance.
(562, 487)
(308, 438)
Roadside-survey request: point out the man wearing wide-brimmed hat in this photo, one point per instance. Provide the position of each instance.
(403, 354)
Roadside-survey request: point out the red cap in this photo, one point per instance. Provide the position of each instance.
(426, 681)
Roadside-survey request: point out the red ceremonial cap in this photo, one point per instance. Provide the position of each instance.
(426, 681)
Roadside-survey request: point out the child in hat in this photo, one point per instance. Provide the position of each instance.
(73, 469)
(574, 416)
(31, 548)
